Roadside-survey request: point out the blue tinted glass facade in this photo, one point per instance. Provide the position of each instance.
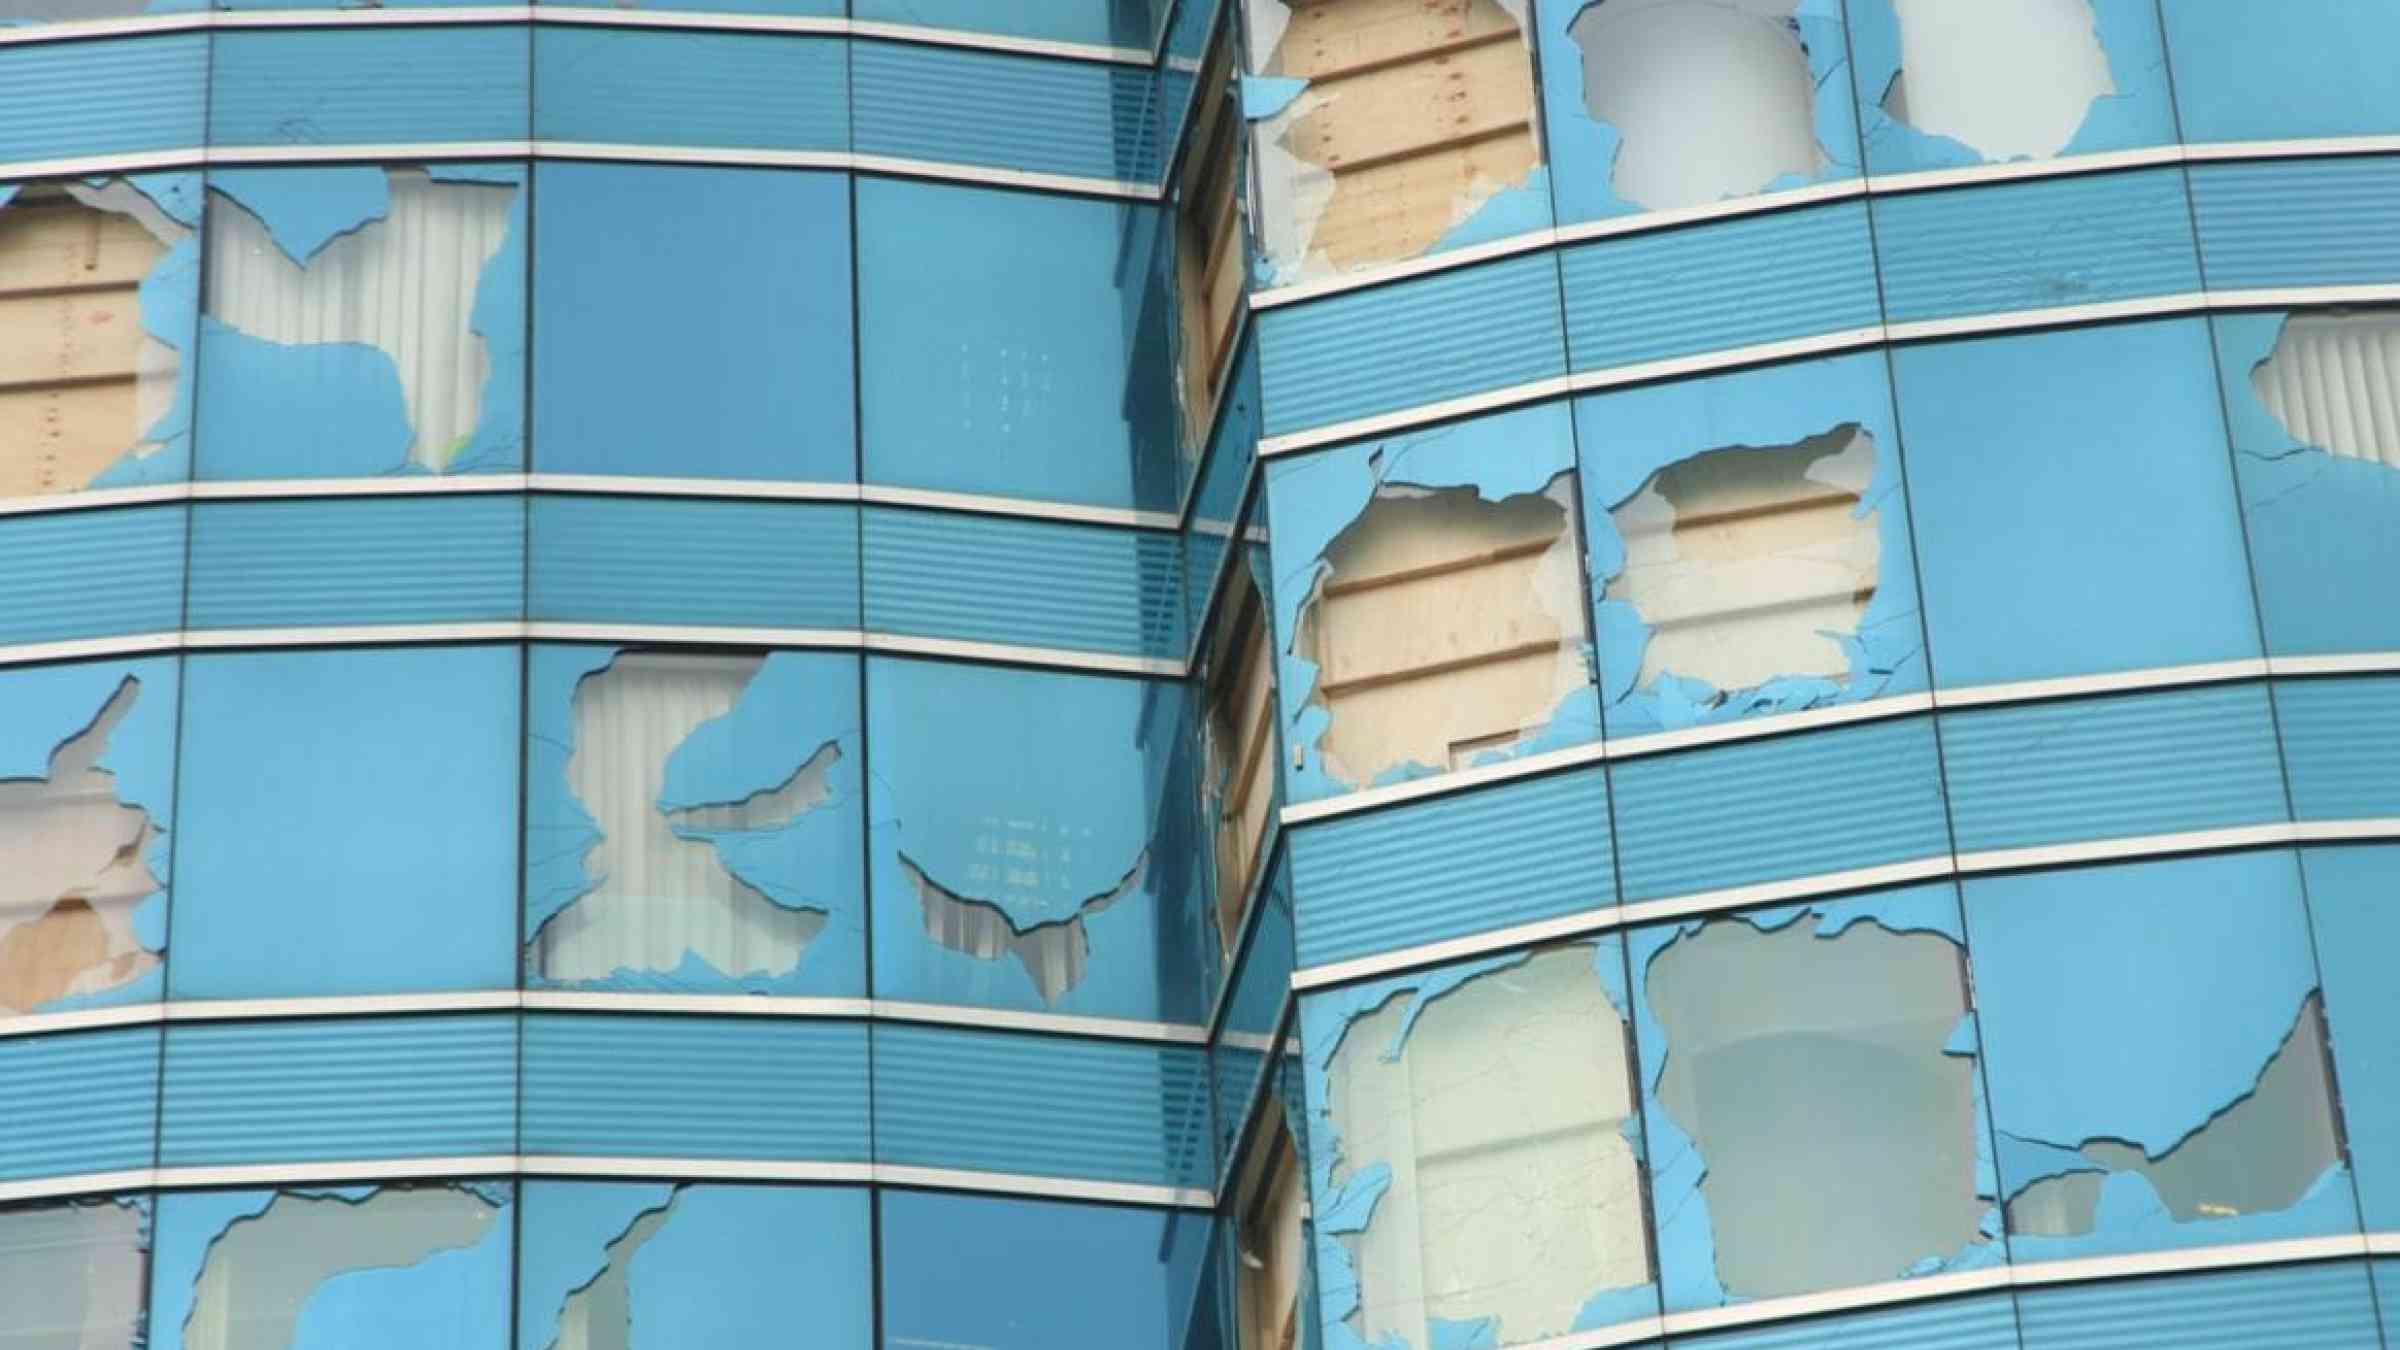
(1236, 676)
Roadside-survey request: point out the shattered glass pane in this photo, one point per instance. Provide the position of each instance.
(1445, 626)
(2258, 1155)
(403, 283)
(264, 1272)
(1055, 954)
(1748, 564)
(1713, 98)
(1810, 1072)
(1415, 113)
(2333, 381)
(72, 1276)
(73, 864)
(1515, 1192)
(2012, 81)
(663, 891)
(82, 381)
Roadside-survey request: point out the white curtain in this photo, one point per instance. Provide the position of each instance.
(661, 895)
(2334, 381)
(405, 284)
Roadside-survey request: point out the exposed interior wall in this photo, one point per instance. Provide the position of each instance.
(1209, 271)
(81, 381)
(2013, 81)
(1749, 564)
(1241, 729)
(262, 1272)
(73, 1276)
(1273, 1252)
(1416, 113)
(1713, 98)
(1445, 625)
(73, 865)
(1498, 1109)
(2333, 381)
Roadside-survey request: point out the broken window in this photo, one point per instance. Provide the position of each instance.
(1711, 98)
(1271, 1238)
(1751, 563)
(2263, 1153)
(2012, 81)
(74, 864)
(357, 321)
(643, 1266)
(709, 842)
(1015, 812)
(96, 291)
(73, 1276)
(2156, 1057)
(1209, 266)
(1241, 732)
(1444, 625)
(356, 1266)
(1387, 126)
(2333, 381)
(1835, 1130)
(1485, 1169)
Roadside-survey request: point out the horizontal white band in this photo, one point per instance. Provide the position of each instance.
(2111, 682)
(378, 635)
(2136, 846)
(2340, 663)
(593, 1000)
(1062, 1188)
(321, 1173)
(1838, 1300)
(971, 503)
(696, 1169)
(569, 16)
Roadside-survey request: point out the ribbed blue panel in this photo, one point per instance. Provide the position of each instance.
(2341, 745)
(630, 87)
(81, 1102)
(1035, 583)
(2116, 767)
(101, 98)
(91, 573)
(358, 560)
(1416, 342)
(2322, 1307)
(2307, 222)
(1730, 284)
(366, 86)
(1793, 806)
(1984, 1323)
(1234, 1070)
(1084, 118)
(1203, 554)
(311, 1090)
(1452, 866)
(2385, 1276)
(2036, 244)
(696, 1087)
(991, 1101)
(743, 564)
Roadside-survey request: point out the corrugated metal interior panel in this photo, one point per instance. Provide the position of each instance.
(1087, 119)
(2301, 222)
(2036, 244)
(365, 86)
(1411, 343)
(358, 560)
(696, 1087)
(2320, 1307)
(100, 98)
(2341, 745)
(1712, 286)
(744, 564)
(1036, 583)
(627, 86)
(324, 1090)
(1984, 1322)
(2114, 767)
(1771, 810)
(79, 1102)
(91, 573)
(1452, 866)
(991, 1101)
